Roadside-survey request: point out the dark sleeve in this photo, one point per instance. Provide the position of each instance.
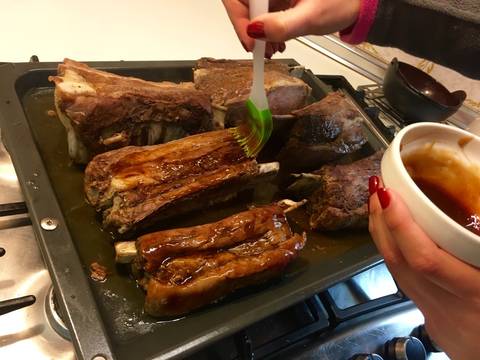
(446, 32)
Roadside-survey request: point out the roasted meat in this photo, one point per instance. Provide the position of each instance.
(135, 186)
(102, 111)
(338, 194)
(324, 131)
(184, 269)
(229, 81)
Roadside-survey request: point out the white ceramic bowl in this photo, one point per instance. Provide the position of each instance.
(446, 232)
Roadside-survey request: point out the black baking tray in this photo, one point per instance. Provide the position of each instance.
(107, 318)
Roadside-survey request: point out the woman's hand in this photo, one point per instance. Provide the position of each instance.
(445, 289)
(288, 19)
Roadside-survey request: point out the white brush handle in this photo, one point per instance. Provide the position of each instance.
(257, 94)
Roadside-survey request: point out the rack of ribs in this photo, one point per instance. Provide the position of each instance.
(338, 194)
(229, 82)
(102, 111)
(185, 269)
(137, 186)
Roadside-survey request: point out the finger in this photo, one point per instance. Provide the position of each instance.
(424, 256)
(282, 47)
(412, 286)
(281, 25)
(239, 16)
(381, 235)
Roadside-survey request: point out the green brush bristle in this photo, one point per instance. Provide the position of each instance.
(254, 134)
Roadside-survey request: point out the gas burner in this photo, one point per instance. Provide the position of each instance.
(54, 316)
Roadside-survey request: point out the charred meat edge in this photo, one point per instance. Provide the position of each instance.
(323, 132)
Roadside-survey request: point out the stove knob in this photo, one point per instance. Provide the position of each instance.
(421, 334)
(366, 357)
(405, 348)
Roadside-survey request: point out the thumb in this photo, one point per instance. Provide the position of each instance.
(281, 25)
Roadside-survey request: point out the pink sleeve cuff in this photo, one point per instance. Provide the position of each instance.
(358, 32)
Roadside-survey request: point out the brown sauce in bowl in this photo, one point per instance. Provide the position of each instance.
(451, 184)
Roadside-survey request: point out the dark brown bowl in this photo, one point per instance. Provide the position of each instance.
(418, 96)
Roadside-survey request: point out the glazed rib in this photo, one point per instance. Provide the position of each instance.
(103, 111)
(133, 186)
(184, 269)
(156, 247)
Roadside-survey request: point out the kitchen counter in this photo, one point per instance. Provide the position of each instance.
(112, 30)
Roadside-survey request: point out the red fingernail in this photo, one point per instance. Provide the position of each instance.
(256, 30)
(373, 182)
(244, 46)
(384, 197)
(282, 47)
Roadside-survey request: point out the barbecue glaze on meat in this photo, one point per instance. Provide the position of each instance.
(135, 186)
(103, 111)
(323, 132)
(338, 194)
(184, 269)
(229, 82)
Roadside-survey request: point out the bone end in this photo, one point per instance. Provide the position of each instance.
(291, 205)
(268, 168)
(125, 252)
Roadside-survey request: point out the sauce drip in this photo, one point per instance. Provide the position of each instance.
(450, 183)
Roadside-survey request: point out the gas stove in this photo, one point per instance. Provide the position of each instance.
(365, 317)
